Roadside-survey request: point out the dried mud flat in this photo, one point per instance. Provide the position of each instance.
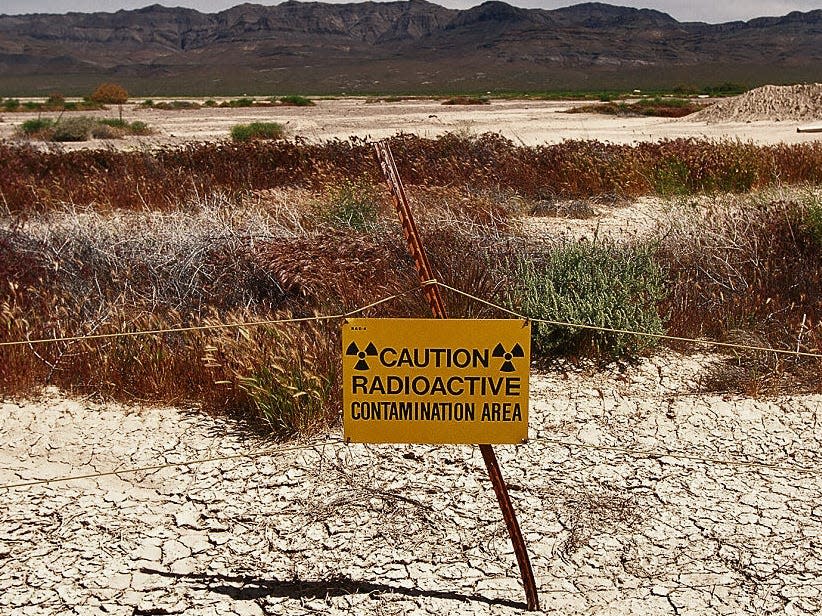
(638, 493)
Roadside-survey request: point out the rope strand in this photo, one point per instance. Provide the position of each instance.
(629, 332)
(176, 330)
(424, 284)
(157, 467)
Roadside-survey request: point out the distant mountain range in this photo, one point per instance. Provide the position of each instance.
(397, 47)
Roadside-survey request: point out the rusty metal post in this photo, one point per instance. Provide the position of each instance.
(432, 294)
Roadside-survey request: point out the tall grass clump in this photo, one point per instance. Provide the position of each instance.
(813, 220)
(352, 204)
(290, 381)
(257, 130)
(601, 285)
(751, 268)
(749, 272)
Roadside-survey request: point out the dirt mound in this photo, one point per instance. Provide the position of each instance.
(773, 103)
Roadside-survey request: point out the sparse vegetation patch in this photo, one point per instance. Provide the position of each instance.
(466, 100)
(81, 128)
(55, 102)
(272, 229)
(257, 130)
(296, 101)
(657, 106)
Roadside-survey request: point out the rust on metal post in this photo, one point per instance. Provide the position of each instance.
(510, 517)
(409, 228)
(432, 294)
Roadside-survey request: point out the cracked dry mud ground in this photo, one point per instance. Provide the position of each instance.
(337, 528)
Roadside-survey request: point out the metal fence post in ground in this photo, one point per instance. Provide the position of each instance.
(432, 294)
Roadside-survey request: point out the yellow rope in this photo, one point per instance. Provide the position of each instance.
(174, 330)
(629, 332)
(157, 467)
(599, 328)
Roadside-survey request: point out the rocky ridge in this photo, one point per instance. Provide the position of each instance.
(408, 45)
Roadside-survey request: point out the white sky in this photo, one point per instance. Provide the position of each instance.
(712, 11)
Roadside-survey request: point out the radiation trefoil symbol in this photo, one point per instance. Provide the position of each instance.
(507, 365)
(369, 351)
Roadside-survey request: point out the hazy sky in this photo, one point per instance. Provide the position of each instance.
(713, 11)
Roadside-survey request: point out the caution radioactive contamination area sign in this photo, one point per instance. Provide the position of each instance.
(436, 380)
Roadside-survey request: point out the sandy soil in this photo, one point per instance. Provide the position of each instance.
(528, 122)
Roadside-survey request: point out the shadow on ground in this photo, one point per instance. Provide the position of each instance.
(247, 588)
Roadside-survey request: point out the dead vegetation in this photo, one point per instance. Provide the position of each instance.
(103, 242)
(32, 180)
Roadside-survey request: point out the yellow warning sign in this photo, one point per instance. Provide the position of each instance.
(435, 380)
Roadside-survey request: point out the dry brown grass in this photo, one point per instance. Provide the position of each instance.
(80, 271)
(32, 180)
(749, 272)
(98, 242)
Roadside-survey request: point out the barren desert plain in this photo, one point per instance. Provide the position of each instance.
(529, 122)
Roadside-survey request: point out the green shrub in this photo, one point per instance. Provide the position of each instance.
(113, 122)
(11, 104)
(73, 129)
(354, 205)
(257, 130)
(36, 126)
(118, 128)
(210, 103)
(139, 128)
(296, 101)
(609, 286)
(813, 221)
(238, 102)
